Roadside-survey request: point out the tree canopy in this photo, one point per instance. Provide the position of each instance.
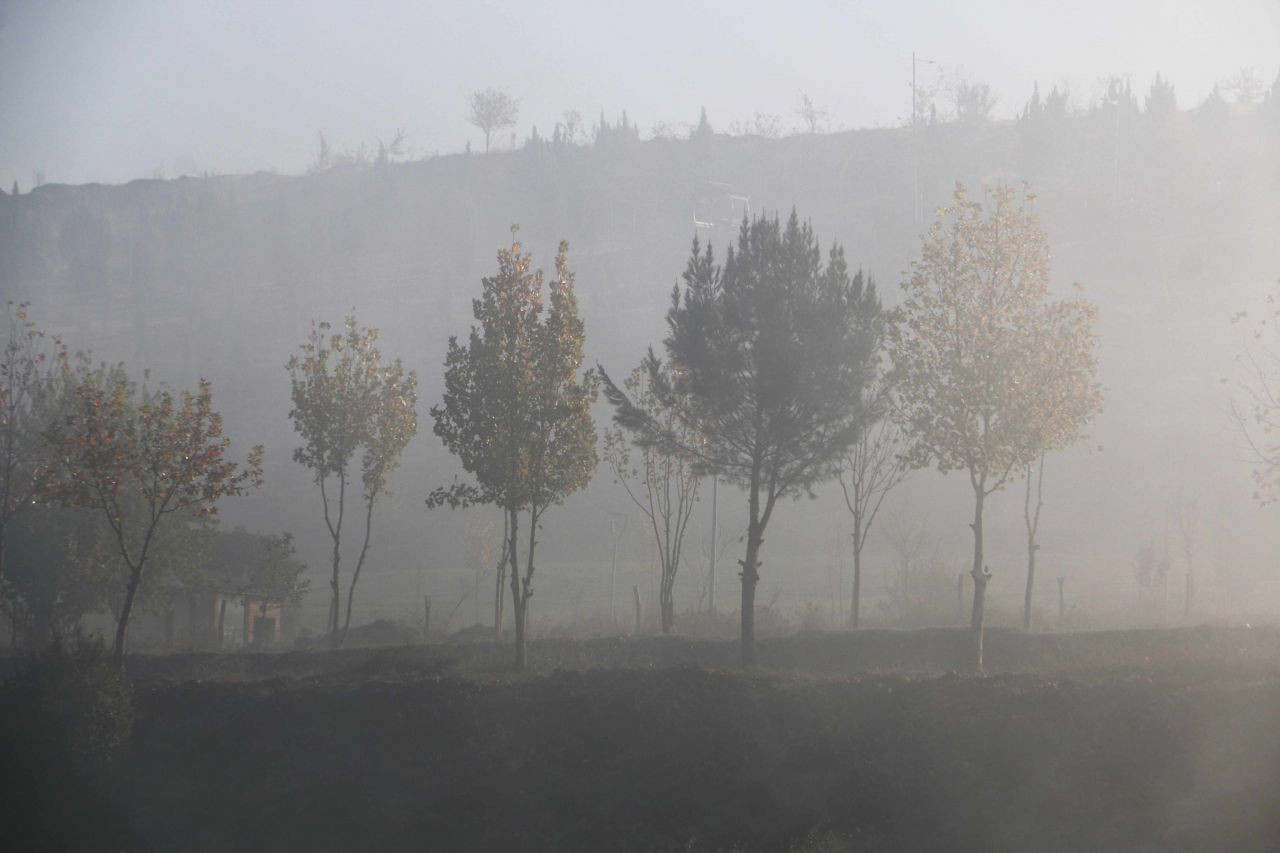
(769, 358)
(992, 372)
(515, 411)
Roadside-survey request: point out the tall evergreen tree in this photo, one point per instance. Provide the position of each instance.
(769, 357)
(1161, 103)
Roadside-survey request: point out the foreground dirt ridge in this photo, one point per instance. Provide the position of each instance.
(1127, 740)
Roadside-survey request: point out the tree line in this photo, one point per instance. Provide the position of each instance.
(780, 370)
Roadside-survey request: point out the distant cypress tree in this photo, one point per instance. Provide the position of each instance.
(1214, 110)
(1057, 104)
(1271, 103)
(1037, 129)
(703, 131)
(1034, 110)
(1161, 102)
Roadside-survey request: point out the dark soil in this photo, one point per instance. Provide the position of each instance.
(438, 749)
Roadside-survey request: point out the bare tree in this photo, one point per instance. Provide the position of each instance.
(974, 102)
(815, 119)
(1256, 405)
(572, 124)
(663, 484)
(766, 125)
(871, 469)
(390, 152)
(1246, 87)
(921, 583)
(492, 110)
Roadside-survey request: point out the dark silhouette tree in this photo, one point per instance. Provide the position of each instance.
(769, 358)
(516, 412)
(346, 401)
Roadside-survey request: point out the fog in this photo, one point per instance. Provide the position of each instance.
(198, 184)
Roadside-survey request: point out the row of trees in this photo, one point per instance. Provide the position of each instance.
(153, 465)
(781, 370)
(149, 464)
(967, 102)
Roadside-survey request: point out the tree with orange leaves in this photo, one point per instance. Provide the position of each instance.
(140, 457)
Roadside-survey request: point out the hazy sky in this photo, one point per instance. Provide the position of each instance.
(109, 91)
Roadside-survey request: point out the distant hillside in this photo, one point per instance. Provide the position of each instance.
(1171, 225)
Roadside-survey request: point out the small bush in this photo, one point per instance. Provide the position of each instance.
(72, 707)
(66, 716)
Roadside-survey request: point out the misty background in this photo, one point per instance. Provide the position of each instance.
(185, 226)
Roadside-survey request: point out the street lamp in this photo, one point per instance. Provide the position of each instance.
(915, 143)
(615, 531)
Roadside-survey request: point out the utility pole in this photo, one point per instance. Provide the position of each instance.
(915, 137)
(711, 596)
(1062, 603)
(616, 532)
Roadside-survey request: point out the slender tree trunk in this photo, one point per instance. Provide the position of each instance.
(355, 576)
(222, 617)
(750, 577)
(666, 598)
(855, 605)
(498, 598)
(517, 599)
(334, 600)
(711, 592)
(1032, 547)
(122, 623)
(522, 656)
(501, 575)
(635, 591)
(335, 532)
(960, 599)
(1062, 603)
(980, 578)
(1032, 519)
(1186, 607)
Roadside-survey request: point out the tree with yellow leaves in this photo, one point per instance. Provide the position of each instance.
(992, 373)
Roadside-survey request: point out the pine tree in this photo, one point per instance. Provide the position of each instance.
(769, 356)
